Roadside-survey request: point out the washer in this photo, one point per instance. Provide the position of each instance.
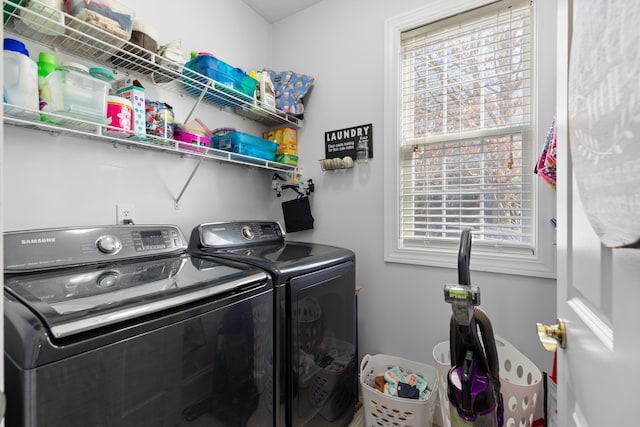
(120, 326)
(315, 324)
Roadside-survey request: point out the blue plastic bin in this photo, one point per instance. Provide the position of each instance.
(248, 145)
(225, 76)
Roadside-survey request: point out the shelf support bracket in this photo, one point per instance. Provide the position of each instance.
(177, 200)
(301, 187)
(200, 98)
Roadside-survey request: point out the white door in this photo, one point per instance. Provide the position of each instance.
(598, 295)
(1, 256)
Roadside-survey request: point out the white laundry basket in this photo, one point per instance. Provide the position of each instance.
(383, 410)
(520, 383)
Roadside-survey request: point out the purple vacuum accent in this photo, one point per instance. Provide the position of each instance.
(470, 386)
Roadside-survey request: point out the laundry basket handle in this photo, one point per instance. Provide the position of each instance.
(364, 362)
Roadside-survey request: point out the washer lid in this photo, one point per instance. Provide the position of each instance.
(76, 300)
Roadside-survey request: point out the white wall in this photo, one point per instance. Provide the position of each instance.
(401, 308)
(55, 180)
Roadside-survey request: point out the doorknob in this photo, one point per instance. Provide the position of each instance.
(551, 336)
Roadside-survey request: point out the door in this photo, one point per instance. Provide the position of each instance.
(597, 296)
(2, 388)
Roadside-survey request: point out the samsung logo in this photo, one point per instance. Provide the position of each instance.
(39, 241)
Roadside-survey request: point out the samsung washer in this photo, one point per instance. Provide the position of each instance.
(120, 326)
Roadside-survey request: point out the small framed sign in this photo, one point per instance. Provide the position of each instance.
(344, 142)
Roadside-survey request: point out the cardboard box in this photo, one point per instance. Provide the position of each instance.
(287, 139)
(287, 159)
(135, 94)
(124, 83)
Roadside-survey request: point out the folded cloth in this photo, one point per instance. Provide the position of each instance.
(395, 377)
(408, 391)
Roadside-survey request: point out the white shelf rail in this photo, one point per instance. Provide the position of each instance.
(61, 31)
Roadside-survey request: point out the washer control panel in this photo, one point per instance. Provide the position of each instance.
(32, 250)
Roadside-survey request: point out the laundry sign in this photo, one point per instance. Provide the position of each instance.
(344, 142)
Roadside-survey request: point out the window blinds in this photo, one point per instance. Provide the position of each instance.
(466, 128)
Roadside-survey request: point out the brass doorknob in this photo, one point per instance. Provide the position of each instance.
(551, 336)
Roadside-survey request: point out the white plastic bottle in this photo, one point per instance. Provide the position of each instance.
(267, 90)
(20, 77)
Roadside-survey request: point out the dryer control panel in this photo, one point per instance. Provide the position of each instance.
(33, 250)
(238, 233)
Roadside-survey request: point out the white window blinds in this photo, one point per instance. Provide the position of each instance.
(466, 128)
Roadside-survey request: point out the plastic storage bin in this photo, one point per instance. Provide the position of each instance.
(9, 9)
(77, 94)
(190, 140)
(108, 15)
(43, 17)
(243, 143)
(520, 383)
(142, 45)
(384, 410)
(225, 77)
(108, 21)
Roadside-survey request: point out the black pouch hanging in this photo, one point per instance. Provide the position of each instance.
(297, 214)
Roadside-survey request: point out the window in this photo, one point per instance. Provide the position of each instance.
(462, 101)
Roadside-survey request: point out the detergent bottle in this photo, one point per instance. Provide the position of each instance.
(46, 64)
(20, 76)
(265, 91)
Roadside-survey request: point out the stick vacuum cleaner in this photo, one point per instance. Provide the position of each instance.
(473, 380)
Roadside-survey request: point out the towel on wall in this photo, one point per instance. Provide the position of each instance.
(290, 88)
(297, 214)
(546, 165)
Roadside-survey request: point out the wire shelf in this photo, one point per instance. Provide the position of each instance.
(66, 125)
(61, 31)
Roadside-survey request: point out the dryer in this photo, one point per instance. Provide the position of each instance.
(315, 316)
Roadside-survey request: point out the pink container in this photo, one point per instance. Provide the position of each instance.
(120, 111)
(195, 142)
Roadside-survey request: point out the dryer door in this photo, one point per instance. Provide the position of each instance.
(323, 380)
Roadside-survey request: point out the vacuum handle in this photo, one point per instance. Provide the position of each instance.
(464, 257)
(467, 369)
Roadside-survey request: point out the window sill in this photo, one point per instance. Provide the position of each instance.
(493, 261)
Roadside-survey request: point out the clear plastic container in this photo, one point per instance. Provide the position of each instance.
(42, 16)
(77, 94)
(108, 15)
(171, 58)
(107, 23)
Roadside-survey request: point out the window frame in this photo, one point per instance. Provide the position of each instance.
(541, 262)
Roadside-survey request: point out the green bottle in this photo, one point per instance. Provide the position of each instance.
(46, 64)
